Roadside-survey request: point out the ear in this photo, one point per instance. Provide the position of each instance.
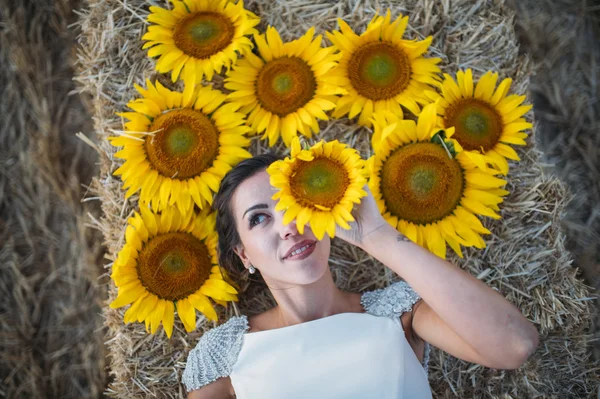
(241, 252)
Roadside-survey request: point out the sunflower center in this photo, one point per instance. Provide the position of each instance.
(419, 183)
(478, 125)
(422, 181)
(203, 34)
(285, 84)
(379, 70)
(321, 181)
(174, 265)
(184, 145)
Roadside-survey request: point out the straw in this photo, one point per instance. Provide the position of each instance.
(525, 258)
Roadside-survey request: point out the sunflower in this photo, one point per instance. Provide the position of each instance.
(486, 119)
(178, 146)
(319, 185)
(199, 37)
(284, 89)
(380, 70)
(170, 261)
(426, 188)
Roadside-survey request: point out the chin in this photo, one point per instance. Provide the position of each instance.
(312, 273)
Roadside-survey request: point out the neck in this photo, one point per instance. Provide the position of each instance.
(308, 302)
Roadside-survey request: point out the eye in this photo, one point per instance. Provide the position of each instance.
(257, 219)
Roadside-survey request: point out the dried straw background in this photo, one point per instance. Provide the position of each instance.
(51, 331)
(50, 327)
(525, 259)
(563, 38)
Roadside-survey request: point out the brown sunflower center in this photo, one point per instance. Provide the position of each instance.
(203, 34)
(174, 265)
(478, 125)
(185, 143)
(321, 181)
(420, 183)
(285, 84)
(379, 70)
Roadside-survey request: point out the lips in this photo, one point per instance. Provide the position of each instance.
(298, 246)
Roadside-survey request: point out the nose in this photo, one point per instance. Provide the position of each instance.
(288, 230)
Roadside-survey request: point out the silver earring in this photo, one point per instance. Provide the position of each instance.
(251, 269)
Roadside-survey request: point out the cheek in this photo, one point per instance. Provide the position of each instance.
(323, 251)
(258, 246)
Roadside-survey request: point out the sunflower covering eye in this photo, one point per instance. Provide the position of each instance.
(198, 38)
(319, 185)
(424, 191)
(485, 118)
(380, 70)
(178, 146)
(170, 261)
(285, 89)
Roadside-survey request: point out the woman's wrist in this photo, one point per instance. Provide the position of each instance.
(372, 239)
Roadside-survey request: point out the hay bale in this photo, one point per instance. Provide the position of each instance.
(51, 328)
(525, 259)
(564, 41)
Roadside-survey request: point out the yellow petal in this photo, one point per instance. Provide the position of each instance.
(330, 228)
(291, 213)
(187, 314)
(296, 148)
(318, 224)
(455, 246)
(220, 285)
(127, 294)
(478, 207)
(288, 130)
(507, 151)
(468, 87)
(426, 122)
(340, 220)
(146, 307)
(482, 197)
(305, 156)
(470, 220)
(169, 318)
(435, 242)
(303, 218)
(156, 315)
(202, 303)
(484, 180)
(501, 91)
(131, 313)
(516, 113)
(485, 86)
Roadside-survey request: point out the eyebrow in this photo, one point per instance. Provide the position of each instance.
(253, 207)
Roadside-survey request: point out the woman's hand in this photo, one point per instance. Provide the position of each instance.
(368, 219)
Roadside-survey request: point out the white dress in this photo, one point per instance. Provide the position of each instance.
(344, 356)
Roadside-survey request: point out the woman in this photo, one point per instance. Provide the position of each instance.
(322, 342)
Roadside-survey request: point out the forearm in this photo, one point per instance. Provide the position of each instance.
(480, 316)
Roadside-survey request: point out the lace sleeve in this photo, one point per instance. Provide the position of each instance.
(391, 301)
(215, 354)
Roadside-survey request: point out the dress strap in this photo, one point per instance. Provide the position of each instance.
(215, 354)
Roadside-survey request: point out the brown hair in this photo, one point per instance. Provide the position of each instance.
(229, 237)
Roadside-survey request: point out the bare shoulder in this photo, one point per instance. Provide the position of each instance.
(219, 389)
(262, 321)
(354, 302)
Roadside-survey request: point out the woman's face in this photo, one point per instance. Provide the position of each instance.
(282, 255)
